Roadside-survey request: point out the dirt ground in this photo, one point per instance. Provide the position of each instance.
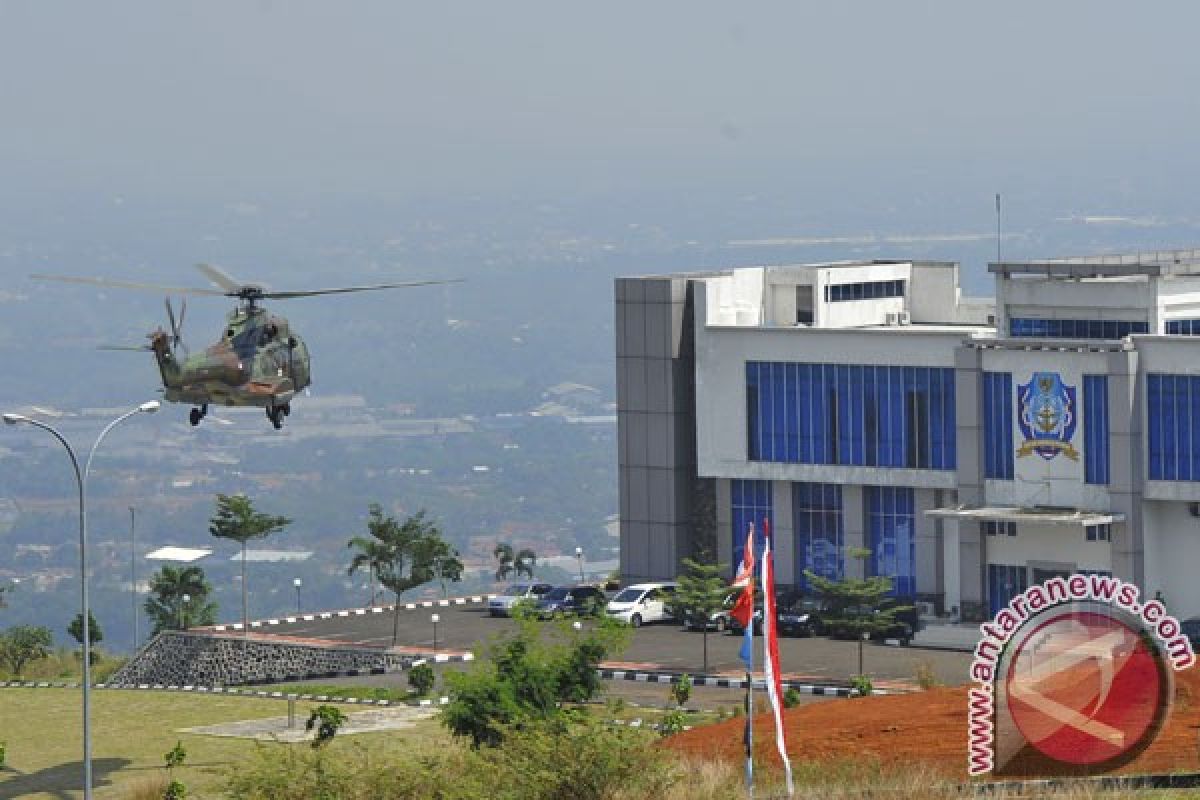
(924, 728)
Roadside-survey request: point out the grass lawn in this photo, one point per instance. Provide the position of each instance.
(131, 730)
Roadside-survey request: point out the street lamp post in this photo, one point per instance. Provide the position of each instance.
(133, 572)
(81, 482)
(435, 619)
(579, 558)
(297, 583)
(187, 598)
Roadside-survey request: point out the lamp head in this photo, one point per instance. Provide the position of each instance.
(578, 551)
(149, 407)
(13, 419)
(434, 618)
(296, 582)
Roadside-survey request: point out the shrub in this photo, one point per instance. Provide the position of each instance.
(681, 690)
(673, 722)
(174, 790)
(327, 720)
(3, 749)
(926, 677)
(862, 686)
(421, 679)
(791, 697)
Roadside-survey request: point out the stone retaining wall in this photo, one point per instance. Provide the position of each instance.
(185, 659)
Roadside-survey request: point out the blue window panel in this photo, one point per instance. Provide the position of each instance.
(1004, 583)
(818, 521)
(1075, 328)
(1173, 422)
(1184, 327)
(891, 522)
(750, 501)
(852, 414)
(1095, 429)
(998, 425)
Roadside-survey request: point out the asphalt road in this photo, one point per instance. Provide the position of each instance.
(662, 646)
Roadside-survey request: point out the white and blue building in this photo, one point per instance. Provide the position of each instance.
(973, 445)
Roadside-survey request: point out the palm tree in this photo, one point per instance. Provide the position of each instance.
(504, 555)
(166, 606)
(236, 519)
(525, 561)
(371, 554)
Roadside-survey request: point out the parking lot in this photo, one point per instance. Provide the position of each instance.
(662, 646)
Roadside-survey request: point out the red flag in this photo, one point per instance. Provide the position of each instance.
(743, 606)
(771, 662)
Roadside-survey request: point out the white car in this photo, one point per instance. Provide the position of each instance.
(502, 605)
(642, 603)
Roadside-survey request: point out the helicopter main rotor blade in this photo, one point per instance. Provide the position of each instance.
(153, 287)
(220, 277)
(136, 347)
(346, 289)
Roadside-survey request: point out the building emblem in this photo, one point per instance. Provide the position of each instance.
(1046, 415)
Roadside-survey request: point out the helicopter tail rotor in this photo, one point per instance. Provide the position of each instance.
(177, 325)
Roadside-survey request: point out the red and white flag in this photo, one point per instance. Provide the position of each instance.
(771, 672)
(743, 606)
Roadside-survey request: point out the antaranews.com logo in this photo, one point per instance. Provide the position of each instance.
(1074, 678)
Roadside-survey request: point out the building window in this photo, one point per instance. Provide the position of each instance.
(1095, 429)
(1184, 327)
(856, 415)
(1173, 422)
(1098, 533)
(750, 502)
(998, 425)
(1074, 328)
(997, 527)
(867, 290)
(890, 526)
(1005, 581)
(817, 517)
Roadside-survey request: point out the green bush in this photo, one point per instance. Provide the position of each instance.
(862, 686)
(681, 690)
(673, 722)
(791, 697)
(3, 752)
(327, 720)
(421, 679)
(523, 678)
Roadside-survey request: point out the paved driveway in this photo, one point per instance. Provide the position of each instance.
(662, 646)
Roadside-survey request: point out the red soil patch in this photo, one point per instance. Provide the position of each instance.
(926, 729)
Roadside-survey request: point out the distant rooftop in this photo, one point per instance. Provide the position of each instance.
(183, 555)
(1151, 263)
(274, 555)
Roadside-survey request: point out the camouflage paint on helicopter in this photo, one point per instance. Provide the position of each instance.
(258, 361)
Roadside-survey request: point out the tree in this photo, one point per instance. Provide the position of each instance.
(519, 562)
(236, 519)
(525, 679)
(701, 593)
(21, 644)
(166, 607)
(371, 554)
(406, 554)
(327, 720)
(854, 606)
(442, 559)
(95, 635)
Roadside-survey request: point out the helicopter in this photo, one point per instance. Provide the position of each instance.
(259, 360)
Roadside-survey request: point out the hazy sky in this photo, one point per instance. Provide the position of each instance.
(339, 95)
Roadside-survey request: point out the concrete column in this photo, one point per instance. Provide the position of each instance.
(925, 542)
(951, 557)
(783, 534)
(724, 526)
(853, 530)
(1125, 467)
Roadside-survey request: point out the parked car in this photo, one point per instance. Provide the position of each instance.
(693, 620)
(570, 601)
(642, 602)
(798, 615)
(842, 625)
(502, 605)
(1191, 629)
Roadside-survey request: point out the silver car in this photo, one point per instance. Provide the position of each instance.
(502, 605)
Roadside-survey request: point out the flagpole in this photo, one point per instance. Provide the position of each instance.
(749, 737)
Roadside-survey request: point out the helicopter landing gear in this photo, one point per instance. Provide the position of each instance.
(198, 414)
(276, 415)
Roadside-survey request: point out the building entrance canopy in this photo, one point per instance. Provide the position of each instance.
(1039, 516)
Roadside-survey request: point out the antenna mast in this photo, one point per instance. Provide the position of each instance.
(997, 227)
